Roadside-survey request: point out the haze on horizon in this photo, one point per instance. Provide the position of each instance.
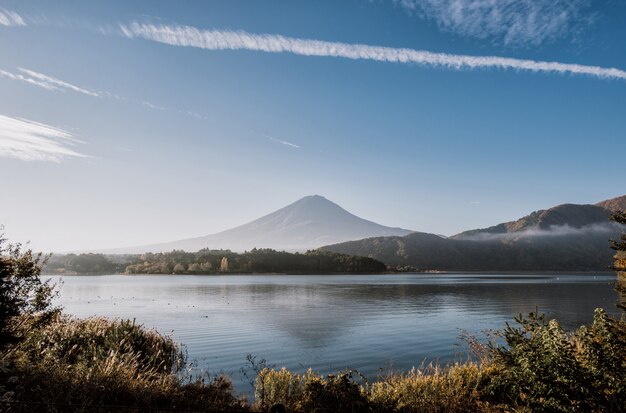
(136, 123)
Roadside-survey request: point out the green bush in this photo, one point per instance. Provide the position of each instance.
(543, 368)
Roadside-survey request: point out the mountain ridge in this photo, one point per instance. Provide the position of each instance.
(567, 237)
(572, 215)
(614, 204)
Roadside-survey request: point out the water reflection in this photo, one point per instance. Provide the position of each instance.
(332, 322)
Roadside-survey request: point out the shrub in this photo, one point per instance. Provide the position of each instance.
(542, 368)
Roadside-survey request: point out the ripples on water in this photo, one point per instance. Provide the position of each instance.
(370, 322)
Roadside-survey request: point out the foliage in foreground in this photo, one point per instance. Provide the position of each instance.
(538, 368)
(430, 389)
(543, 368)
(22, 293)
(98, 363)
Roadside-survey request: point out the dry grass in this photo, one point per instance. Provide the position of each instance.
(454, 388)
(101, 362)
(310, 392)
(430, 389)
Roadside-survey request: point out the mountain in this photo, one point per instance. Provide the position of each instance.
(615, 204)
(308, 223)
(566, 237)
(570, 216)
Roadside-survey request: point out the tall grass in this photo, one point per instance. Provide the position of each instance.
(454, 388)
(310, 392)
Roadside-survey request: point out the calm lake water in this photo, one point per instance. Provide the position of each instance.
(373, 323)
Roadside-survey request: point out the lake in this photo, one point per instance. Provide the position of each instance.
(373, 323)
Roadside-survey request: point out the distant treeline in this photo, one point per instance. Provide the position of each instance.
(214, 262)
(87, 264)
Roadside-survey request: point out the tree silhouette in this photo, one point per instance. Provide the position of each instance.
(24, 298)
(620, 259)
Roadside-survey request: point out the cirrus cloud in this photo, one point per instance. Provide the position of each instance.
(282, 142)
(55, 83)
(10, 18)
(46, 82)
(188, 36)
(511, 22)
(28, 140)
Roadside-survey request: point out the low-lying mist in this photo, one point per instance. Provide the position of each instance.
(607, 229)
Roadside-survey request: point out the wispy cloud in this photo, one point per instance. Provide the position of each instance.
(20, 77)
(53, 82)
(46, 82)
(151, 105)
(228, 40)
(32, 141)
(195, 114)
(10, 18)
(293, 145)
(511, 22)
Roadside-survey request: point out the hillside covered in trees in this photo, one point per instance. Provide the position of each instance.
(566, 237)
(214, 262)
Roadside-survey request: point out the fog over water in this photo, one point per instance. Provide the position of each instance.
(369, 322)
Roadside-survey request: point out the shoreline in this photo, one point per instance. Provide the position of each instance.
(429, 273)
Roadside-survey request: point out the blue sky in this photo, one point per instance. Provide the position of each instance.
(126, 123)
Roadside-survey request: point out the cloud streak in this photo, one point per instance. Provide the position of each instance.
(54, 84)
(10, 18)
(511, 22)
(60, 84)
(188, 36)
(22, 78)
(292, 145)
(27, 140)
(47, 82)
